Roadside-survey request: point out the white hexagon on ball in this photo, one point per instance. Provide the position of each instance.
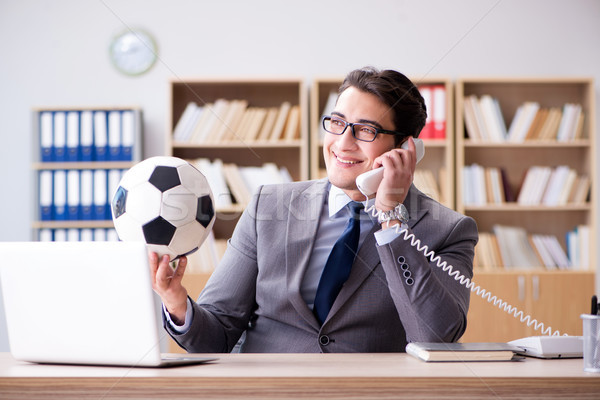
(178, 206)
(143, 202)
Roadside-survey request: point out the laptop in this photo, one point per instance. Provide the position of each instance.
(83, 303)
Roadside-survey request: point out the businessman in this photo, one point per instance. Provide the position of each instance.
(307, 269)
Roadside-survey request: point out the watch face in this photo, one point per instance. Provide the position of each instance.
(133, 52)
(403, 214)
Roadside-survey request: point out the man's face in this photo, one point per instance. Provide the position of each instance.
(346, 157)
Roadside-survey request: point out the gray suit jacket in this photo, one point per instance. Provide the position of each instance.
(393, 295)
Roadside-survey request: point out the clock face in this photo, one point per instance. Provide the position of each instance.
(133, 52)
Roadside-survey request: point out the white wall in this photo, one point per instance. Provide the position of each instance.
(55, 53)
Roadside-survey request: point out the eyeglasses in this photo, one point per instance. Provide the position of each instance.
(362, 132)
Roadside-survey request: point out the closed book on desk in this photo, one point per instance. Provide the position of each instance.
(463, 351)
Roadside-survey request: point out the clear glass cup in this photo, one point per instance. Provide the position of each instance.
(591, 342)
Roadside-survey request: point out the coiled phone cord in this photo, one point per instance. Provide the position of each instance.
(449, 269)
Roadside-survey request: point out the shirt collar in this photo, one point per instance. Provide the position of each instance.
(338, 200)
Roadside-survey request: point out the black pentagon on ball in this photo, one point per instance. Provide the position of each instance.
(158, 231)
(164, 178)
(205, 211)
(119, 201)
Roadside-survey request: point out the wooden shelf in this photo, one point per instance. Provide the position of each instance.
(73, 224)
(531, 144)
(514, 207)
(82, 165)
(258, 93)
(556, 298)
(40, 166)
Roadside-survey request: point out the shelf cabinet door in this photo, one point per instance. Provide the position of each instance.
(487, 322)
(556, 299)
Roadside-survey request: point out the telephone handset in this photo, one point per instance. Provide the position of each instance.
(368, 182)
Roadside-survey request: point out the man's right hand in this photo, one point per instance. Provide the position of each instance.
(166, 281)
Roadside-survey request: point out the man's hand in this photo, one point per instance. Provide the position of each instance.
(399, 168)
(166, 281)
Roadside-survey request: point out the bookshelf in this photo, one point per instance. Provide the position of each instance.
(532, 210)
(435, 173)
(79, 156)
(249, 125)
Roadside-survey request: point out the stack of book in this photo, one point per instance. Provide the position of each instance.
(513, 247)
(233, 184)
(88, 135)
(484, 121)
(542, 185)
(485, 185)
(77, 235)
(578, 247)
(426, 183)
(226, 121)
(77, 194)
(548, 186)
(435, 101)
(206, 259)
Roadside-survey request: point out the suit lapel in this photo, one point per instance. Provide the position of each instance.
(413, 206)
(302, 223)
(367, 258)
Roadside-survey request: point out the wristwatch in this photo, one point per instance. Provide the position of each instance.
(399, 212)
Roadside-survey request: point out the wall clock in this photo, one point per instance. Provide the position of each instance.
(133, 52)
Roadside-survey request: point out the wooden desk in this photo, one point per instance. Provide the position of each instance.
(286, 376)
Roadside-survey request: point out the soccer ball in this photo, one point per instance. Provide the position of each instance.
(165, 202)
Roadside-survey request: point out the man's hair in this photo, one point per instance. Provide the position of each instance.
(396, 91)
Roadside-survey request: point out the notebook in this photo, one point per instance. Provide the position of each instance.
(463, 351)
(83, 303)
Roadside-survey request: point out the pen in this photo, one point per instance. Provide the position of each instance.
(594, 305)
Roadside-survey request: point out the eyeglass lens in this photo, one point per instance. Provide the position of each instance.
(338, 126)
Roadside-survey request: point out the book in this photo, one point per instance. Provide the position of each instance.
(428, 352)
(425, 181)
(568, 123)
(184, 126)
(292, 126)
(213, 171)
(427, 131)
(255, 123)
(439, 111)
(522, 121)
(269, 122)
(282, 117)
(515, 248)
(46, 136)
(492, 118)
(536, 126)
(474, 123)
(60, 136)
(228, 129)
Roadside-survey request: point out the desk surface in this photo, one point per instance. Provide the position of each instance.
(335, 376)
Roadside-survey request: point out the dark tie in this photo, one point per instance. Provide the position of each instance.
(339, 263)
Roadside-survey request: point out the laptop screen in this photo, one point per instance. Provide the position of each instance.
(80, 302)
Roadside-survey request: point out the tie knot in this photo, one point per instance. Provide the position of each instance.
(355, 209)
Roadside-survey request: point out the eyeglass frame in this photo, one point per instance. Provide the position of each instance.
(351, 125)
